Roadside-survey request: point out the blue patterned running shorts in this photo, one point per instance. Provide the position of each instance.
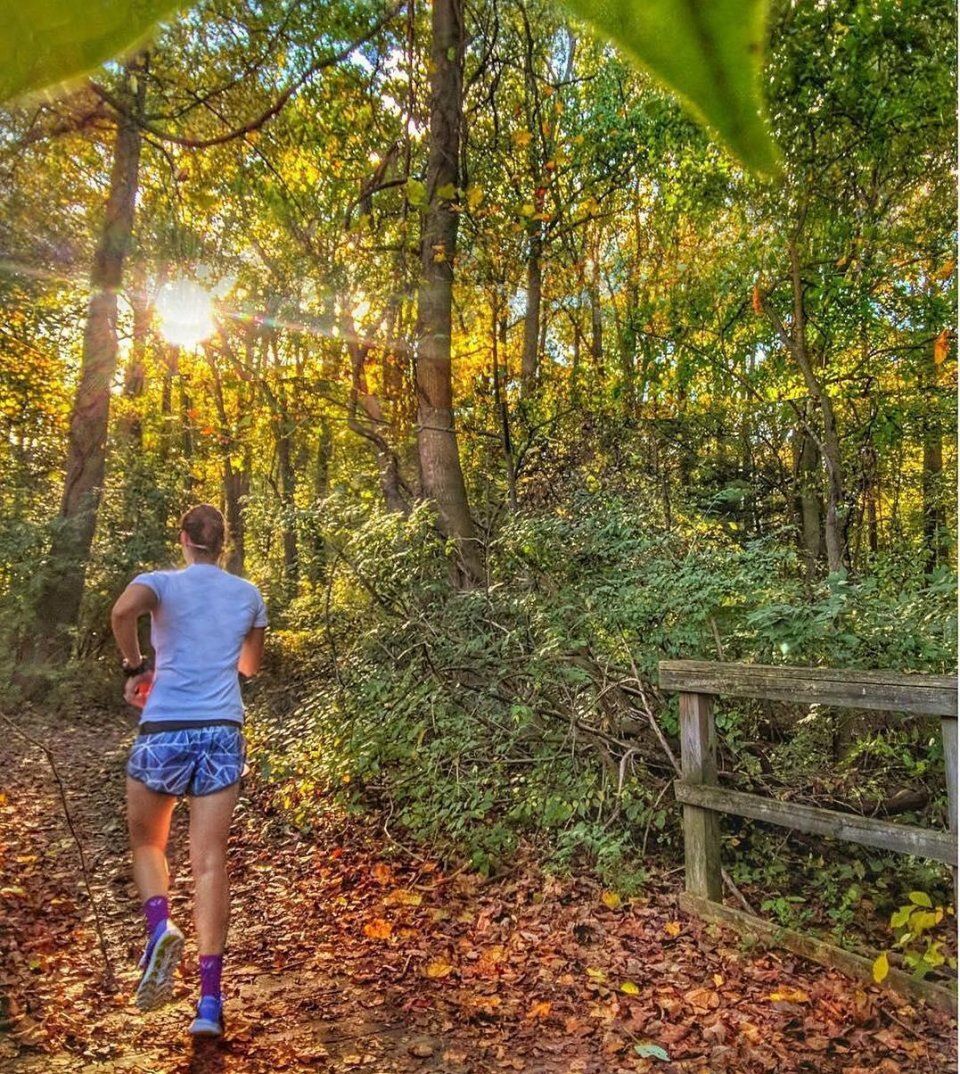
(194, 761)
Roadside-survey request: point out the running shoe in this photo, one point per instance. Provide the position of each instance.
(159, 961)
(209, 1020)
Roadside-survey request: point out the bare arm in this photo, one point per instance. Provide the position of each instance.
(251, 653)
(134, 601)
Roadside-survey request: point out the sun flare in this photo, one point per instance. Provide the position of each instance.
(186, 313)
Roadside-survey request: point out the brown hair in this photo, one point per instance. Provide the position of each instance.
(205, 529)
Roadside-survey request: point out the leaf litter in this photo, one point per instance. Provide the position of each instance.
(347, 957)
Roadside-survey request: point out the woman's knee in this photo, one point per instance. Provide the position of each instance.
(205, 861)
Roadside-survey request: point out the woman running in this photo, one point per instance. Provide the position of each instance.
(207, 629)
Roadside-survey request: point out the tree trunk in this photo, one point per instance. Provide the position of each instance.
(935, 541)
(288, 494)
(321, 489)
(835, 522)
(58, 604)
(529, 368)
(134, 376)
(808, 482)
(596, 320)
(500, 405)
(440, 472)
(366, 419)
(186, 431)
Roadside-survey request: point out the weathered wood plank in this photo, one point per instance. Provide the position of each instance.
(701, 827)
(949, 729)
(867, 831)
(933, 695)
(826, 954)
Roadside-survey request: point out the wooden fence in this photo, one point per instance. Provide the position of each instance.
(698, 683)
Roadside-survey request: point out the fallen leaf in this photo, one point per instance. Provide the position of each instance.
(378, 929)
(789, 995)
(672, 928)
(704, 999)
(438, 968)
(401, 897)
(611, 900)
(540, 1010)
(651, 1051)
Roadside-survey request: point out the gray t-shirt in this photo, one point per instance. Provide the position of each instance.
(197, 630)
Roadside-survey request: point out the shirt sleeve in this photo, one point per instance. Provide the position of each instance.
(155, 580)
(260, 615)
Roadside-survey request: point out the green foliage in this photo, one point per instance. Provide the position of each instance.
(476, 719)
(915, 925)
(53, 41)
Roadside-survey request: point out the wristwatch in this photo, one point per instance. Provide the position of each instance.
(130, 671)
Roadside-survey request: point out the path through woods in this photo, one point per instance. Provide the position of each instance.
(348, 955)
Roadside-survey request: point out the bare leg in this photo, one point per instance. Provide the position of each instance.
(148, 820)
(210, 817)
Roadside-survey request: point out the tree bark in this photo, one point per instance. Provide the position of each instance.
(58, 603)
(935, 540)
(500, 405)
(134, 376)
(808, 482)
(440, 471)
(366, 419)
(530, 365)
(834, 523)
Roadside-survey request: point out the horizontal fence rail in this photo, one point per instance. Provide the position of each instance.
(698, 683)
(929, 695)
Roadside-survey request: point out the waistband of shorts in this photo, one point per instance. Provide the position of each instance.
(155, 727)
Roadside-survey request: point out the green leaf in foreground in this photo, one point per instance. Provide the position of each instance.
(710, 52)
(46, 42)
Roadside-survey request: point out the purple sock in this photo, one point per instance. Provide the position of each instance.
(156, 911)
(211, 967)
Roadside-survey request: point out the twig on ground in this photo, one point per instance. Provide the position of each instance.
(61, 790)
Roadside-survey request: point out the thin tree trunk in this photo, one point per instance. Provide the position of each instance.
(321, 489)
(366, 419)
(596, 320)
(834, 526)
(288, 494)
(500, 404)
(58, 604)
(529, 369)
(186, 430)
(931, 477)
(440, 472)
(808, 483)
(134, 376)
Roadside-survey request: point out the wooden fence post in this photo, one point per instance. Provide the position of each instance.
(948, 727)
(701, 827)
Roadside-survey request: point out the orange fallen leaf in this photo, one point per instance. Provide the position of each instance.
(401, 897)
(672, 928)
(437, 968)
(789, 995)
(539, 1010)
(382, 873)
(378, 929)
(704, 999)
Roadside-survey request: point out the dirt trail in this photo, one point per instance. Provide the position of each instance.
(346, 955)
